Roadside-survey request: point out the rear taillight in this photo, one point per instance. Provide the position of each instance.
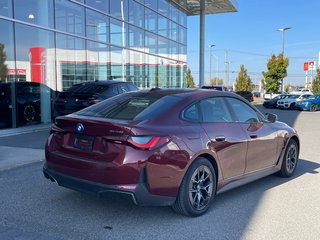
(56, 130)
(147, 142)
(141, 142)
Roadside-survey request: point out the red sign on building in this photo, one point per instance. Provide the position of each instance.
(17, 71)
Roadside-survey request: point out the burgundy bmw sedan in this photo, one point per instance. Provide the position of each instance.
(173, 147)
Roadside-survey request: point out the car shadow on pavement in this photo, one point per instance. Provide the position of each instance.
(47, 207)
(233, 208)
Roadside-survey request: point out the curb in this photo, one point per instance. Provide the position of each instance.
(22, 130)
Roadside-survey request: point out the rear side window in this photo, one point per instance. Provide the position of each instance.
(214, 110)
(130, 106)
(192, 113)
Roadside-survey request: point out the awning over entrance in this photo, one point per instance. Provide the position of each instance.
(212, 6)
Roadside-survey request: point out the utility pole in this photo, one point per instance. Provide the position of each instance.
(227, 63)
(210, 46)
(283, 30)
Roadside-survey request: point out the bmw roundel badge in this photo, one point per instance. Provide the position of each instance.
(80, 128)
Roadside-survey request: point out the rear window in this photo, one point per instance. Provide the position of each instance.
(132, 106)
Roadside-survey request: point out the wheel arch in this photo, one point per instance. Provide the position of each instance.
(296, 139)
(213, 161)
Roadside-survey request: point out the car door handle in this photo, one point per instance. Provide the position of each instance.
(220, 138)
(253, 136)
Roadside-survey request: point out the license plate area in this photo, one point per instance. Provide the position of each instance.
(83, 142)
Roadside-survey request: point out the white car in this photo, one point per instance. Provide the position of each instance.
(268, 96)
(290, 101)
(302, 91)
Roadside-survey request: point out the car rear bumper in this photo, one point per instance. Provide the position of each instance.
(137, 192)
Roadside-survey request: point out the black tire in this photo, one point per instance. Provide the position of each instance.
(29, 113)
(313, 108)
(290, 159)
(197, 189)
(292, 106)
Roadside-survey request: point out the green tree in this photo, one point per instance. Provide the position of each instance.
(243, 81)
(3, 65)
(216, 81)
(277, 70)
(189, 83)
(316, 83)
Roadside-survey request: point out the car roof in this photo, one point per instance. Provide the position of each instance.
(102, 82)
(185, 92)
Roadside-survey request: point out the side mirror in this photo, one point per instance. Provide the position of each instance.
(271, 117)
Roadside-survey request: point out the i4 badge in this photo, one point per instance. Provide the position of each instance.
(80, 128)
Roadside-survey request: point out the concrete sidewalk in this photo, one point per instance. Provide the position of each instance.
(20, 146)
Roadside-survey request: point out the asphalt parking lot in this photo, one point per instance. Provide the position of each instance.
(31, 207)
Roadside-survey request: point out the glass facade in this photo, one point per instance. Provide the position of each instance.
(55, 44)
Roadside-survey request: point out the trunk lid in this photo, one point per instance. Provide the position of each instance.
(91, 138)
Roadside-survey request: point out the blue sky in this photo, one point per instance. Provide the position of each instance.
(250, 38)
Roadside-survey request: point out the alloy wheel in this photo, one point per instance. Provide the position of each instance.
(291, 158)
(201, 187)
(313, 108)
(29, 113)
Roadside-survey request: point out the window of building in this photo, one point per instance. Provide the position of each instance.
(35, 52)
(151, 4)
(163, 7)
(98, 59)
(136, 38)
(97, 26)
(136, 10)
(6, 8)
(71, 61)
(150, 20)
(70, 17)
(119, 9)
(34, 11)
(118, 32)
(102, 5)
(163, 26)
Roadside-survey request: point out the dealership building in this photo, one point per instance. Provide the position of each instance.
(58, 43)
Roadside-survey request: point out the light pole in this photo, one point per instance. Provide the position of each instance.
(283, 30)
(210, 46)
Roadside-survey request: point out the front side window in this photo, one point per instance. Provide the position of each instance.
(243, 112)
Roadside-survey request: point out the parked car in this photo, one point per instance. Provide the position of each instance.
(215, 87)
(290, 101)
(268, 95)
(84, 94)
(246, 95)
(177, 147)
(27, 101)
(301, 91)
(272, 103)
(256, 94)
(311, 104)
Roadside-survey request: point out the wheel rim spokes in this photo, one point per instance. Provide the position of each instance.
(291, 158)
(29, 113)
(201, 187)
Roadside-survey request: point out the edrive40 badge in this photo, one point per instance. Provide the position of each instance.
(80, 128)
